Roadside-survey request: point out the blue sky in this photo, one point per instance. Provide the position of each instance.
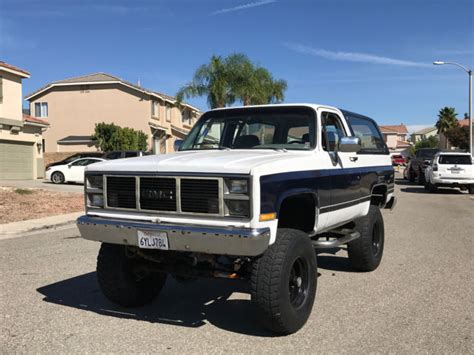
(370, 56)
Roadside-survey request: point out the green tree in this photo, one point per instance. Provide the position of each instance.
(233, 78)
(458, 136)
(430, 142)
(111, 137)
(212, 80)
(447, 118)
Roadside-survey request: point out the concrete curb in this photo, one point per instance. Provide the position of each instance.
(17, 228)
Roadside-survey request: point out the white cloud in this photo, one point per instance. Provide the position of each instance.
(243, 7)
(352, 56)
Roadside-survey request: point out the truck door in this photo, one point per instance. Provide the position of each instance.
(342, 167)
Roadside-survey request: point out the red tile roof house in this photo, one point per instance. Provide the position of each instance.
(396, 137)
(21, 136)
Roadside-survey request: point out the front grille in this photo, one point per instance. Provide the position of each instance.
(158, 194)
(121, 192)
(200, 196)
(164, 194)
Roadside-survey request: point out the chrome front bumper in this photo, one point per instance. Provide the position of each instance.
(211, 240)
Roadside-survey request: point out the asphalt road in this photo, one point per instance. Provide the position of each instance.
(419, 300)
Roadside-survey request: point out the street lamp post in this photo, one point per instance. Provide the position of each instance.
(469, 73)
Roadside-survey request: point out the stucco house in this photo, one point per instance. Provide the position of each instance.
(73, 107)
(395, 136)
(424, 134)
(21, 141)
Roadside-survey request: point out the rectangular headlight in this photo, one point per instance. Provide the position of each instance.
(95, 200)
(237, 186)
(240, 208)
(95, 181)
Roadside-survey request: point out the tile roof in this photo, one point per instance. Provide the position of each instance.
(100, 78)
(76, 139)
(403, 144)
(400, 129)
(28, 118)
(425, 130)
(386, 130)
(464, 122)
(12, 67)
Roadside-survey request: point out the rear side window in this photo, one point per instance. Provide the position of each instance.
(455, 159)
(370, 137)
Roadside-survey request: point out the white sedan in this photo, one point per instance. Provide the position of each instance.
(72, 172)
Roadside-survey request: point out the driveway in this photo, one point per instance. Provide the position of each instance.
(42, 184)
(418, 301)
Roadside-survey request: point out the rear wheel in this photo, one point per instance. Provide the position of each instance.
(365, 253)
(57, 177)
(283, 282)
(124, 279)
(471, 189)
(411, 175)
(421, 177)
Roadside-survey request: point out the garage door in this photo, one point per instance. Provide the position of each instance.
(16, 160)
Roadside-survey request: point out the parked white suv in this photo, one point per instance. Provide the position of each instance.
(450, 170)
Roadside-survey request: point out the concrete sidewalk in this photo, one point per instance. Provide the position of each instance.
(42, 184)
(17, 228)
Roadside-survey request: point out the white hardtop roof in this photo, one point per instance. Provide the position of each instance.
(453, 153)
(314, 106)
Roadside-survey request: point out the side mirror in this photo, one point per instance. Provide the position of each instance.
(177, 144)
(69, 165)
(349, 144)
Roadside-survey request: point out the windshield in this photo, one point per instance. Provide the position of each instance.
(455, 159)
(290, 128)
(426, 153)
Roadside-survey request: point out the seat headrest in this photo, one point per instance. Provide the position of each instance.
(247, 141)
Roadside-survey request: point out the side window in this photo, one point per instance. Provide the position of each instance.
(332, 131)
(370, 137)
(81, 162)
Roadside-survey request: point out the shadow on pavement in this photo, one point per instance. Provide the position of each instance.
(181, 304)
(334, 262)
(440, 191)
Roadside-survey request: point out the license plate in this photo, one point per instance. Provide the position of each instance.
(152, 240)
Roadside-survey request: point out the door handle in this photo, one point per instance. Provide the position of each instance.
(353, 158)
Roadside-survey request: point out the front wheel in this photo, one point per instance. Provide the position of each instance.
(283, 282)
(365, 253)
(471, 189)
(124, 279)
(57, 177)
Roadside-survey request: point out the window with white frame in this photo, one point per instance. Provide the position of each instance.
(168, 113)
(1, 89)
(41, 109)
(155, 109)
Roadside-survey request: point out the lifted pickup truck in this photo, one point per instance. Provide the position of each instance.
(251, 194)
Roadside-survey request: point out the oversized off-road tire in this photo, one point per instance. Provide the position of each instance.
(57, 177)
(124, 280)
(365, 253)
(283, 282)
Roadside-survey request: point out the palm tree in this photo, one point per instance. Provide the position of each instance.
(226, 80)
(446, 119)
(212, 80)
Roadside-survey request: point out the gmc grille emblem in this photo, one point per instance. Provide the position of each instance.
(152, 194)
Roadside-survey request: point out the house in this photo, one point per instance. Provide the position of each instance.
(395, 137)
(424, 134)
(444, 143)
(21, 140)
(73, 107)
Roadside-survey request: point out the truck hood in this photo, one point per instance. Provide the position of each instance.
(209, 161)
